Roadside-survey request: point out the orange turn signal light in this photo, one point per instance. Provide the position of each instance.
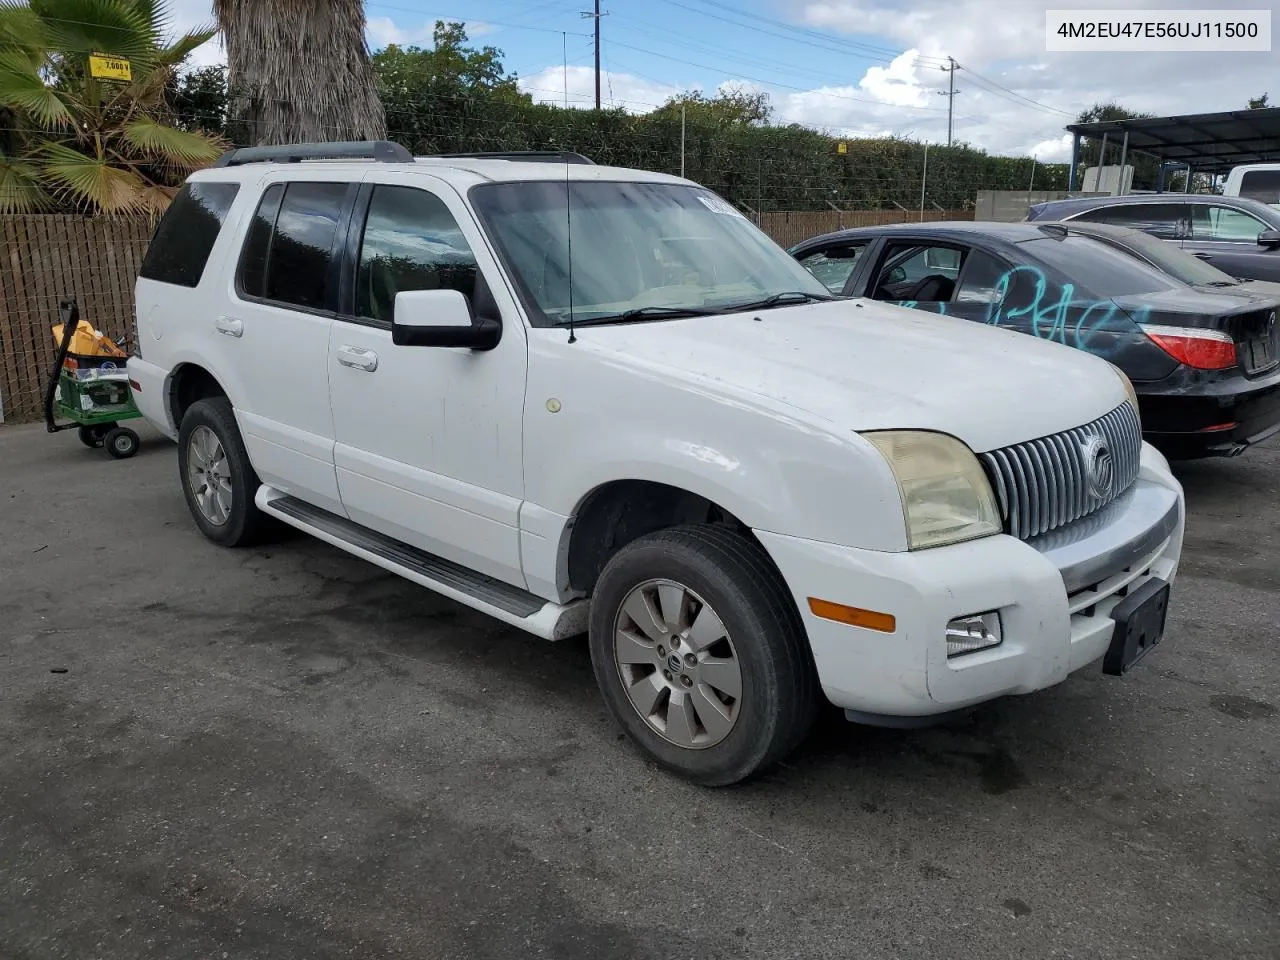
(854, 616)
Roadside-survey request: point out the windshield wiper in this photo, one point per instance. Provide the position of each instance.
(785, 299)
(638, 314)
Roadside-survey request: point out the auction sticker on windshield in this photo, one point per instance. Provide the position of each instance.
(716, 205)
(1139, 31)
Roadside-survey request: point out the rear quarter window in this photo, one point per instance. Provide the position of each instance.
(186, 233)
(1261, 185)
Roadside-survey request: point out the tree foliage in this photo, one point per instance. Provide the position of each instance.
(1259, 103)
(83, 142)
(1146, 168)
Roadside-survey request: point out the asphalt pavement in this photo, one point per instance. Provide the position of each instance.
(285, 752)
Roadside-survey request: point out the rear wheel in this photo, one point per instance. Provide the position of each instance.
(218, 480)
(700, 654)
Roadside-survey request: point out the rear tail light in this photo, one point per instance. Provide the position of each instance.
(1202, 349)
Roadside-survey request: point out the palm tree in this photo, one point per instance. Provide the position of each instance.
(299, 71)
(99, 145)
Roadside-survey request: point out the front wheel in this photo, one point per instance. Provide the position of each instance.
(218, 480)
(700, 654)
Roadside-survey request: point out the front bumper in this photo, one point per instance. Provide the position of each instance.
(1054, 595)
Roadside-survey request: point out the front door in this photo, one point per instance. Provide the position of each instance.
(428, 439)
(1228, 239)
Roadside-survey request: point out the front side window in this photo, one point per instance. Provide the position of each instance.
(186, 234)
(655, 248)
(1224, 223)
(834, 265)
(1164, 220)
(290, 242)
(411, 242)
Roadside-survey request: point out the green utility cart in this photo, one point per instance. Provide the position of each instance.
(91, 392)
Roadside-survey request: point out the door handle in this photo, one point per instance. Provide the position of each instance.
(358, 359)
(231, 326)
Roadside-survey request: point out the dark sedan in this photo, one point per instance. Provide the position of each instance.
(1206, 366)
(1238, 235)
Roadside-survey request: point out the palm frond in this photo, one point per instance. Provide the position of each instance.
(89, 181)
(120, 28)
(21, 30)
(20, 189)
(185, 45)
(178, 147)
(21, 87)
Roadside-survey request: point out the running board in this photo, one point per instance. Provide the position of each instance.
(502, 601)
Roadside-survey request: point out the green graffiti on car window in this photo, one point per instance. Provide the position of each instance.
(1092, 324)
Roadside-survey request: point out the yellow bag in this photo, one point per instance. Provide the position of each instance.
(88, 342)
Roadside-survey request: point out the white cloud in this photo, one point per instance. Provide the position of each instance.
(1001, 43)
(634, 94)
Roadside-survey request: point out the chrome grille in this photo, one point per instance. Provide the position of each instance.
(1045, 483)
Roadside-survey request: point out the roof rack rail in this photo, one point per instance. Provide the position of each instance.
(382, 151)
(527, 156)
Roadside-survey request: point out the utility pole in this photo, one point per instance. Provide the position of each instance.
(950, 93)
(596, 15)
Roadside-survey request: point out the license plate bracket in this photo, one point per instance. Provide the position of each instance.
(1140, 619)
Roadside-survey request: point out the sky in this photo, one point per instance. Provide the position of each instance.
(849, 67)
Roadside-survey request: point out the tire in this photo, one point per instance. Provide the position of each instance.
(777, 696)
(92, 436)
(225, 511)
(121, 443)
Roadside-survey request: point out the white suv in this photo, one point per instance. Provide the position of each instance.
(590, 399)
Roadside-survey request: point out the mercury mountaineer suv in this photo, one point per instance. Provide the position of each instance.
(600, 400)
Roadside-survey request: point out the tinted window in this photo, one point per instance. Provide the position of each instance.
(834, 265)
(981, 283)
(186, 234)
(1161, 219)
(1171, 259)
(411, 242)
(1223, 223)
(252, 277)
(1097, 269)
(1263, 185)
(302, 244)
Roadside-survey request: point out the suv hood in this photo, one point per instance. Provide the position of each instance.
(863, 365)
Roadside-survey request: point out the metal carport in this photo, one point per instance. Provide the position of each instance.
(1209, 143)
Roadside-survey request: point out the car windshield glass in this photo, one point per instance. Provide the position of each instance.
(1096, 268)
(1177, 263)
(635, 246)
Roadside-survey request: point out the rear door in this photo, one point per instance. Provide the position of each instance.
(1228, 238)
(274, 332)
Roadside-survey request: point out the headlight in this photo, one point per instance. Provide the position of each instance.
(1128, 389)
(945, 494)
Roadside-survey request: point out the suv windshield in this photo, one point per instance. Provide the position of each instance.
(646, 250)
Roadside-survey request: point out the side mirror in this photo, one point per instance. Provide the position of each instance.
(441, 318)
(1269, 238)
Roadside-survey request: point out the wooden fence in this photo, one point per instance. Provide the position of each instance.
(45, 258)
(790, 227)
